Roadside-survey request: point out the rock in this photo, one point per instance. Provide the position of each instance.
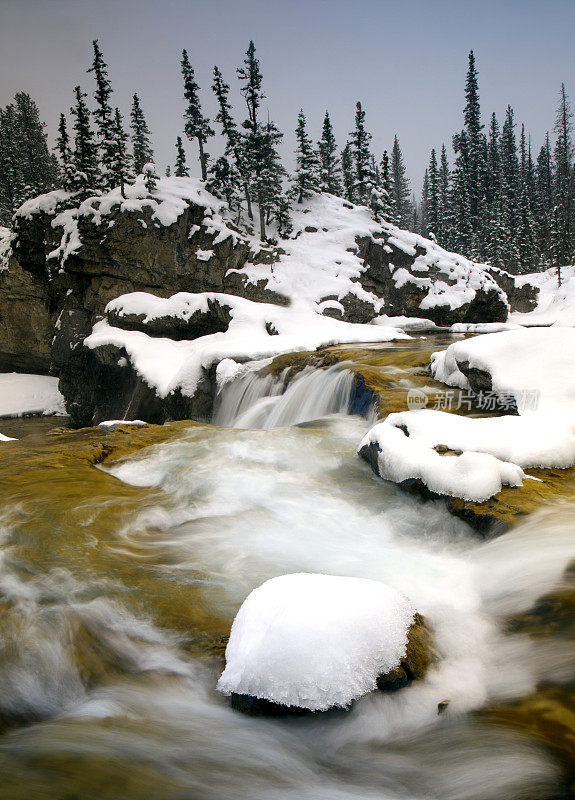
(406, 277)
(419, 656)
(26, 320)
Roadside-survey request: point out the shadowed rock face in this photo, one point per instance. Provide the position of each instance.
(384, 258)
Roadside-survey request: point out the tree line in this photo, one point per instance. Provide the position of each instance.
(496, 203)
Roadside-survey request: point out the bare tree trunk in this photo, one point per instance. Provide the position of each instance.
(248, 201)
(203, 160)
(262, 220)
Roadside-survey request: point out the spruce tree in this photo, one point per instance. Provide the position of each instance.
(63, 141)
(306, 177)
(348, 174)
(142, 151)
(526, 237)
(544, 203)
(85, 153)
(424, 230)
(232, 135)
(445, 216)
(181, 170)
(36, 163)
(401, 190)
(225, 182)
(260, 143)
(388, 212)
(563, 157)
(197, 126)
(432, 215)
(360, 140)
(120, 165)
(104, 115)
(12, 187)
(151, 177)
(329, 166)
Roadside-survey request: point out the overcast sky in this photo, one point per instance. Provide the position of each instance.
(406, 61)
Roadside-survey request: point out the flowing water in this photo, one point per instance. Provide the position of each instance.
(118, 585)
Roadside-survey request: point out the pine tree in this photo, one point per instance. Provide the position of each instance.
(232, 135)
(463, 234)
(424, 230)
(103, 114)
(329, 167)
(388, 212)
(151, 177)
(510, 191)
(36, 164)
(63, 142)
(306, 178)
(526, 238)
(544, 202)
(142, 151)
(181, 170)
(197, 126)
(445, 215)
(11, 180)
(225, 182)
(401, 189)
(263, 165)
(493, 184)
(347, 171)
(85, 154)
(360, 140)
(563, 158)
(433, 220)
(120, 165)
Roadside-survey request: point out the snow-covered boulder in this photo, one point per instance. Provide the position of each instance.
(315, 641)
(533, 371)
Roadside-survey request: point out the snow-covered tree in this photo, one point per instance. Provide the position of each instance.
(262, 162)
(151, 177)
(39, 170)
(85, 153)
(329, 166)
(120, 165)
(445, 214)
(181, 170)
(564, 182)
(234, 144)
(104, 114)
(526, 238)
(347, 172)
(11, 180)
(360, 140)
(306, 178)
(142, 151)
(401, 188)
(432, 221)
(196, 125)
(225, 182)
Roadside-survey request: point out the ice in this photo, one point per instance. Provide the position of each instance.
(315, 641)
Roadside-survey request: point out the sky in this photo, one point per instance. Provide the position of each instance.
(405, 61)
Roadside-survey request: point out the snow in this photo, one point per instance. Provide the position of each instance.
(472, 475)
(525, 363)
(555, 304)
(111, 423)
(29, 394)
(5, 247)
(315, 641)
(324, 262)
(167, 365)
(536, 367)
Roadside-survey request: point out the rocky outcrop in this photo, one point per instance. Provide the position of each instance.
(419, 279)
(522, 296)
(27, 320)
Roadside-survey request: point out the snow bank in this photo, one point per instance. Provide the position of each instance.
(167, 365)
(29, 394)
(315, 641)
(5, 247)
(534, 366)
(555, 304)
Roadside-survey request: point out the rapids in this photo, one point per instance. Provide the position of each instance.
(119, 582)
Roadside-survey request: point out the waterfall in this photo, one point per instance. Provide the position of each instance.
(266, 401)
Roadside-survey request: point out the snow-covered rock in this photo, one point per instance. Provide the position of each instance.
(555, 303)
(29, 394)
(315, 641)
(534, 369)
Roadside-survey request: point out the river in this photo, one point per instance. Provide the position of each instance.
(119, 582)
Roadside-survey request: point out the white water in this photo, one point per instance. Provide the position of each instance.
(263, 401)
(237, 507)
